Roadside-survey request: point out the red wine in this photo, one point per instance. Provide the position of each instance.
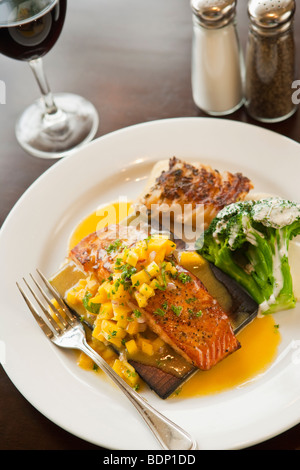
(33, 39)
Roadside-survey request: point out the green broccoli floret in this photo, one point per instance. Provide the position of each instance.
(249, 241)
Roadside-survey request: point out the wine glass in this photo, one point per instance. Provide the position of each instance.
(54, 125)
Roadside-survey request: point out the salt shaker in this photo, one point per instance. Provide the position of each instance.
(217, 62)
(270, 60)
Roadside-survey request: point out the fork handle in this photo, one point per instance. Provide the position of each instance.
(169, 435)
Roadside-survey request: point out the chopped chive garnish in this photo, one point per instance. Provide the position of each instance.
(176, 310)
(184, 278)
(159, 312)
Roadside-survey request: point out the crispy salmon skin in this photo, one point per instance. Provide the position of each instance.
(183, 314)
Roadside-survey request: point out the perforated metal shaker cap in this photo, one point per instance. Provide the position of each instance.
(213, 13)
(269, 14)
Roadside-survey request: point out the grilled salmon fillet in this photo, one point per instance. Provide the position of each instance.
(94, 254)
(206, 190)
(88, 253)
(190, 320)
(184, 315)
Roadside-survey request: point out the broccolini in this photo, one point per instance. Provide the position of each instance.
(249, 241)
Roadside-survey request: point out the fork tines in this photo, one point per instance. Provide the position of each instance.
(63, 321)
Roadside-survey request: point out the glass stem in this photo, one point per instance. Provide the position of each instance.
(37, 68)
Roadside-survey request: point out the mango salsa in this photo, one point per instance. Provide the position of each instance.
(117, 303)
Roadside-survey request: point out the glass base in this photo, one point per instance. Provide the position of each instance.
(221, 113)
(57, 135)
(271, 120)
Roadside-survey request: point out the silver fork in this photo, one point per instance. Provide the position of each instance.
(68, 332)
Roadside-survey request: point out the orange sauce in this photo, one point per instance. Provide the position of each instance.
(102, 217)
(259, 340)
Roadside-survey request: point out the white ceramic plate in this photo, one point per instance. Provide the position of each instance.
(36, 233)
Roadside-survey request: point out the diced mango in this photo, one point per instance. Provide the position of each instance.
(85, 362)
(72, 297)
(108, 354)
(120, 311)
(129, 374)
(117, 367)
(106, 311)
(121, 314)
(132, 327)
(122, 323)
(154, 283)
(146, 290)
(191, 258)
(132, 258)
(156, 243)
(75, 295)
(118, 292)
(141, 299)
(81, 284)
(92, 285)
(152, 269)
(106, 285)
(126, 371)
(107, 326)
(146, 346)
(102, 292)
(170, 268)
(170, 247)
(140, 278)
(111, 330)
(117, 342)
(160, 255)
(162, 245)
(131, 347)
(141, 250)
(97, 299)
(97, 331)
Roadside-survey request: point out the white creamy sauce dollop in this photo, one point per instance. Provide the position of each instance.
(275, 214)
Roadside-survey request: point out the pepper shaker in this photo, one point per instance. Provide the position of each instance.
(270, 60)
(217, 62)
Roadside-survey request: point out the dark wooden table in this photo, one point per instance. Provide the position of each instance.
(132, 60)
